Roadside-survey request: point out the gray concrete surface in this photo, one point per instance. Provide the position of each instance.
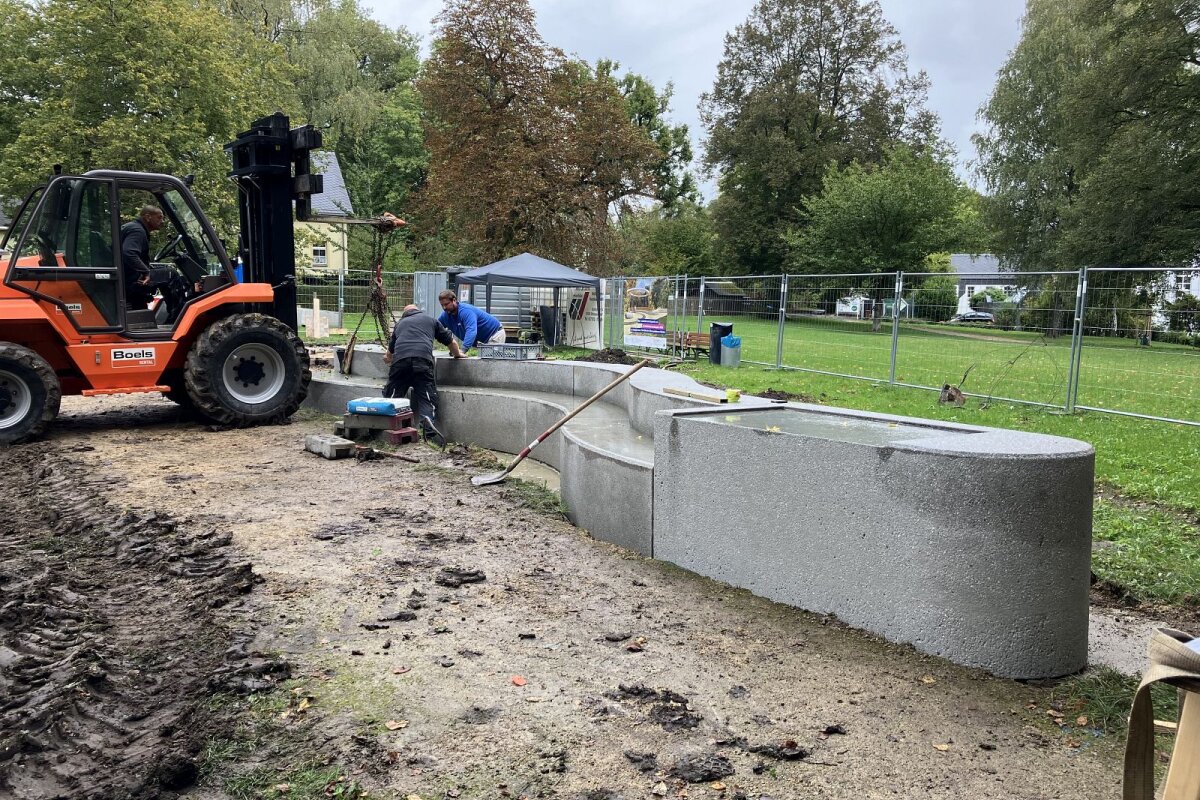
(971, 544)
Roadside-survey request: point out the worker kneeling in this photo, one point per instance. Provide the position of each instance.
(410, 354)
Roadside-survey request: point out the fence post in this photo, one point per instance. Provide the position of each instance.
(896, 323)
(680, 317)
(342, 297)
(1077, 341)
(700, 306)
(783, 296)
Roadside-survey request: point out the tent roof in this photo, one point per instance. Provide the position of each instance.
(527, 270)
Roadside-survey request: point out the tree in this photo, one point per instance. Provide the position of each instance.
(880, 218)
(1092, 152)
(677, 242)
(528, 149)
(675, 186)
(802, 83)
(154, 86)
(936, 300)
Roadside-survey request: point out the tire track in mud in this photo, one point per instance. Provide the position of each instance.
(110, 642)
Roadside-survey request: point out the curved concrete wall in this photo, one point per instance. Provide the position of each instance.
(970, 543)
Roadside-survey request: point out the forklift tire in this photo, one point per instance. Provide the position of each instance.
(29, 393)
(247, 369)
(178, 393)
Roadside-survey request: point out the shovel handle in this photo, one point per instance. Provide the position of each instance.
(550, 431)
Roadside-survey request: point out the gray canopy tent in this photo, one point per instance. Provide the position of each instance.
(528, 270)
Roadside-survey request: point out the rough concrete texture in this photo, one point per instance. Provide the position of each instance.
(969, 543)
(328, 446)
(367, 361)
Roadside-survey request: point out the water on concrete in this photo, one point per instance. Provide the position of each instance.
(602, 425)
(531, 471)
(834, 427)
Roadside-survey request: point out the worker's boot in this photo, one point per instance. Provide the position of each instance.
(430, 432)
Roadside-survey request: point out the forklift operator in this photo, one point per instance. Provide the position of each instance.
(135, 264)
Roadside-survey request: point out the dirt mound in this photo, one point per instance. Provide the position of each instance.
(109, 646)
(610, 355)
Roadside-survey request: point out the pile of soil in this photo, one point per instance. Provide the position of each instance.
(611, 355)
(108, 641)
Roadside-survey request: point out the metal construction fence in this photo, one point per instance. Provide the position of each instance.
(1123, 341)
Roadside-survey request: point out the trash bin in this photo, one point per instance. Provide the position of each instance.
(731, 350)
(716, 332)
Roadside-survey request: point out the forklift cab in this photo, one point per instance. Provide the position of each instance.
(66, 251)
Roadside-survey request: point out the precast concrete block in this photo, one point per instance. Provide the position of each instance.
(968, 543)
(608, 497)
(484, 419)
(366, 363)
(328, 446)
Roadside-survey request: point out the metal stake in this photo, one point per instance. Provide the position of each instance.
(896, 324)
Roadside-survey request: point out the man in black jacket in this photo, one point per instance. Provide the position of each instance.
(135, 264)
(410, 353)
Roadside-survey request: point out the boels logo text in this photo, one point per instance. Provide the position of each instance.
(133, 357)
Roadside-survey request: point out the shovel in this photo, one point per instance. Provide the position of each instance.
(497, 477)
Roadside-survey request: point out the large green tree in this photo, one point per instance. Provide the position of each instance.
(675, 241)
(152, 85)
(802, 83)
(1092, 154)
(529, 150)
(882, 218)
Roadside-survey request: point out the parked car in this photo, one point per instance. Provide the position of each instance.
(979, 317)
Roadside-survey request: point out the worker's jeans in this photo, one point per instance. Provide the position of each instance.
(416, 374)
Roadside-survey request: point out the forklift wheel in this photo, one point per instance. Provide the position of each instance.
(29, 393)
(247, 369)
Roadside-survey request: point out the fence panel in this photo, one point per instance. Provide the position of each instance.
(351, 294)
(1007, 337)
(839, 324)
(1140, 344)
(648, 313)
(751, 305)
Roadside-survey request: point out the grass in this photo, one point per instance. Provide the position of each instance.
(1155, 554)
(307, 782)
(1104, 698)
(1161, 380)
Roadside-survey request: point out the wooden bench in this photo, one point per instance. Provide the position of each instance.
(689, 342)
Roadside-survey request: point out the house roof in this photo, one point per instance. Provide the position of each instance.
(334, 201)
(968, 264)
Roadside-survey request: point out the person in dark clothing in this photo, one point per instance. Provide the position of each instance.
(135, 264)
(410, 354)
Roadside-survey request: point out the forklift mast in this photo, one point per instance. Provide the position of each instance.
(273, 170)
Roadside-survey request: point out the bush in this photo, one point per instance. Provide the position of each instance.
(936, 300)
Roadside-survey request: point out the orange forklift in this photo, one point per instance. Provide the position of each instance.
(229, 349)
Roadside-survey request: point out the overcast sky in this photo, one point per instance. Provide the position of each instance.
(960, 43)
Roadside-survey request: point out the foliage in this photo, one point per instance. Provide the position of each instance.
(659, 242)
(528, 149)
(1155, 554)
(802, 83)
(91, 84)
(1092, 153)
(988, 296)
(936, 300)
(355, 82)
(1184, 313)
(880, 218)
(675, 186)
(1105, 697)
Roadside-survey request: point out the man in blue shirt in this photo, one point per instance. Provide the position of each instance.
(470, 324)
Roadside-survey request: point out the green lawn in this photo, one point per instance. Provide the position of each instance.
(1117, 374)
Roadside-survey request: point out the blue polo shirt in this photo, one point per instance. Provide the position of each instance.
(471, 324)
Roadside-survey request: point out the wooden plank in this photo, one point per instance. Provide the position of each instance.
(1183, 776)
(708, 398)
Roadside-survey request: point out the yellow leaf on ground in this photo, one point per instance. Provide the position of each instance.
(928, 679)
(941, 747)
(395, 724)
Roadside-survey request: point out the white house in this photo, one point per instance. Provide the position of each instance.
(325, 244)
(977, 273)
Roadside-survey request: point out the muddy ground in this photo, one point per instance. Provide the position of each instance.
(405, 634)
